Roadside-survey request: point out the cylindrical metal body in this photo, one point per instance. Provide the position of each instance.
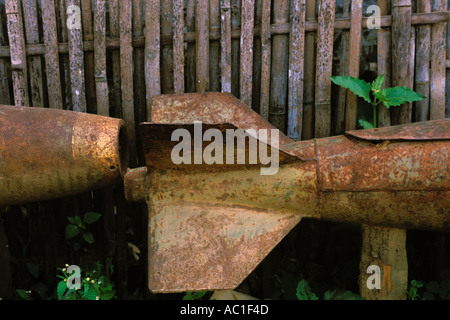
(48, 153)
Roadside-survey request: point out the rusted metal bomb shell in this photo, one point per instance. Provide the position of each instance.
(48, 153)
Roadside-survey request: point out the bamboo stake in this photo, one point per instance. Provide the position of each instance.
(438, 65)
(246, 63)
(324, 68)
(401, 33)
(152, 53)
(5, 96)
(343, 70)
(256, 72)
(214, 47)
(35, 62)
(76, 58)
(265, 59)
(235, 46)
(309, 86)
(101, 81)
(89, 64)
(190, 48)
(353, 67)
(384, 66)
(115, 88)
(18, 55)
(296, 72)
(202, 45)
(178, 46)
(139, 70)
(280, 55)
(126, 66)
(225, 43)
(51, 54)
(166, 49)
(422, 73)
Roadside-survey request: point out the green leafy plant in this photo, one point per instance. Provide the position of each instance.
(304, 291)
(412, 292)
(93, 285)
(77, 229)
(194, 295)
(373, 94)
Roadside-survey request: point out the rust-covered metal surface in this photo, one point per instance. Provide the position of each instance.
(50, 153)
(210, 225)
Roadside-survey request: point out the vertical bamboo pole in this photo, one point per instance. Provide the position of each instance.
(401, 33)
(266, 52)
(235, 47)
(353, 68)
(309, 86)
(422, 74)
(256, 73)
(76, 58)
(190, 48)
(166, 49)
(225, 43)
(139, 70)
(34, 62)
(246, 63)
(88, 35)
(5, 96)
(202, 45)
(296, 72)
(325, 33)
(152, 53)
(126, 68)
(51, 54)
(101, 81)
(115, 100)
(18, 54)
(214, 47)
(384, 65)
(438, 65)
(343, 71)
(178, 46)
(280, 56)
(61, 20)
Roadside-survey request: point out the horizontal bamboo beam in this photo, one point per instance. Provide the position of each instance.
(214, 33)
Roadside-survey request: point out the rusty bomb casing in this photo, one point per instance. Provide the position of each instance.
(211, 225)
(49, 153)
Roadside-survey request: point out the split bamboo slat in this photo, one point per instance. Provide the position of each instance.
(18, 54)
(5, 97)
(202, 45)
(266, 51)
(89, 63)
(166, 55)
(34, 62)
(152, 53)
(296, 69)
(279, 68)
(214, 46)
(138, 67)
(324, 62)
(51, 54)
(225, 43)
(353, 67)
(438, 64)
(246, 48)
(384, 63)
(101, 81)
(178, 46)
(235, 47)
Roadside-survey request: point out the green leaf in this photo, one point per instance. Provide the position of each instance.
(377, 83)
(397, 96)
(355, 85)
(91, 217)
(72, 220)
(365, 124)
(62, 287)
(304, 291)
(194, 295)
(24, 294)
(88, 237)
(71, 231)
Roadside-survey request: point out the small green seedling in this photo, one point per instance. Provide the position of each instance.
(373, 94)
